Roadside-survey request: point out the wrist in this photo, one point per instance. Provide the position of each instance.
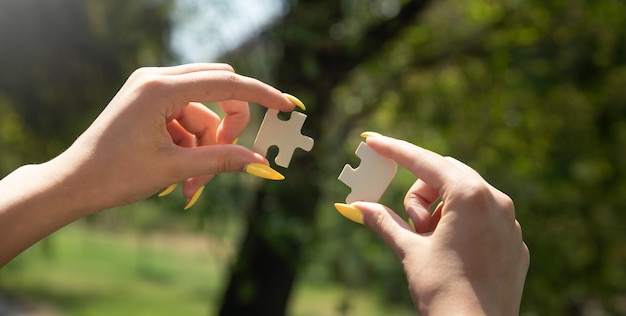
(459, 298)
(446, 302)
(73, 184)
(36, 200)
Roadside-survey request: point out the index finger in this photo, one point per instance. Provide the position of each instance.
(430, 167)
(186, 68)
(235, 121)
(219, 85)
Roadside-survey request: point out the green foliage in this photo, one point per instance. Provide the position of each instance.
(531, 95)
(62, 61)
(13, 136)
(94, 272)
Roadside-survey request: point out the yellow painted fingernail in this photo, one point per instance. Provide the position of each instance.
(411, 224)
(369, 134)
(295, 101)
(194, 198)
(168, 190)
(262, 171)
(350, 212)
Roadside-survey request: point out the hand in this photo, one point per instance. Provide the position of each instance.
(154, 133)
(467, 257)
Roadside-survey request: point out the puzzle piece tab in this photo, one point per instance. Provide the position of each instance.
(284, 134)
(370, 180)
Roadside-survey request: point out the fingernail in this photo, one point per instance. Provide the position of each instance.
(194, 198)
(262, 171)
(412, 224)
(295, 101)
(350, 212)
(235, 141)
(369, 134)
(168, 190)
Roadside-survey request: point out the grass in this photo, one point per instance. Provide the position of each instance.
(82, 271)
(98, 273)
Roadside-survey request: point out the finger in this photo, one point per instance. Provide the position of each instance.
(463, 167)
(208, 160)
(195, 126)
(388, 225)
(193, 184)
(417, 203)
(235, 121)
(436, 217)
(430, 167)
(473, 173)
(179, 135)
(193, 67)
(218, 86)
(199, 121)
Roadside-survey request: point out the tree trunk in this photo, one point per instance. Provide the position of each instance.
(283, 215)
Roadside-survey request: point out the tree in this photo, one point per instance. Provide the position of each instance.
(280, 219)
(62, 61)
(529, 93)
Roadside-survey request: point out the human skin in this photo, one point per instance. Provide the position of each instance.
(153, 133)
(467, 257)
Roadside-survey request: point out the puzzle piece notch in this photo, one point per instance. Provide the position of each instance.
(286, 135)
(371, 178)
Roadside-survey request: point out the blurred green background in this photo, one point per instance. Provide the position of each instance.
(530, 93)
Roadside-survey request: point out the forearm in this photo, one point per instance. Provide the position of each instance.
(463, 303)
(459, 296)
(36, 200)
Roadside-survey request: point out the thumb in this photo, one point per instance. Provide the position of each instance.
(205, 160)
(396, 233)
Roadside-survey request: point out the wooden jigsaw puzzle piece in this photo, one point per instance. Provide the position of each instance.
(286, 135)
(371, 178)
